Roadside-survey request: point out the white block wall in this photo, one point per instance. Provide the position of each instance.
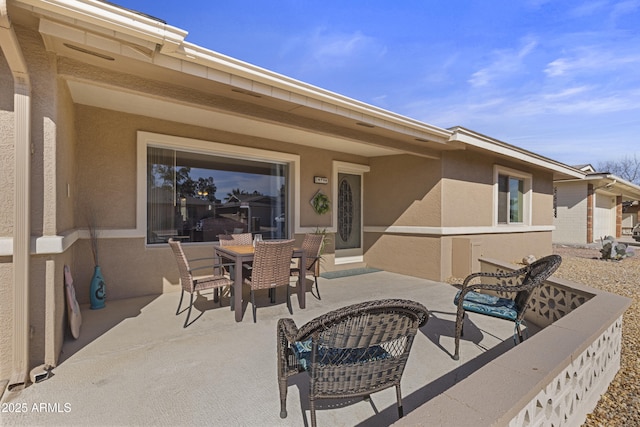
(570, 215)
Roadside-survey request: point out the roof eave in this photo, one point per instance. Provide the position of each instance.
(469, 137)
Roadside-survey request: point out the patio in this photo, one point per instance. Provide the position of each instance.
(134, 364)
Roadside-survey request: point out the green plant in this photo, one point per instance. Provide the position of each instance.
(320, 202)
(325, 238)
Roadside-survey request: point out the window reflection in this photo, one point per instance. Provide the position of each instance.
(195, 197)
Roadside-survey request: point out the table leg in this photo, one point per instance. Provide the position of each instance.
(237, 290)
(302, 281)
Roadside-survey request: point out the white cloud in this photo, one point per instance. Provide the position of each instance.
(331, 49)
(624, 8)
(566, 93)
(588, 8)
(506, 62)
(592, 58)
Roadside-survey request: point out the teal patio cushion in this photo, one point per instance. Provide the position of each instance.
(337, 356)
(491, 305)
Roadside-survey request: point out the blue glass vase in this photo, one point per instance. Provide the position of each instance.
(97, 290)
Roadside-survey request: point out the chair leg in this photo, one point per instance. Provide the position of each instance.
(289, 299)
(216, 294)
(186, 321)
(459, 326)
(231, 299)
(399, 396)
(272, 295)
(312, 409)
(518, 332)
(283, 397)
(180, 303)
(253, 305)
(317, 289)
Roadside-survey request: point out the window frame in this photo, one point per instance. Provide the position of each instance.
(527, 196)
(146, 139)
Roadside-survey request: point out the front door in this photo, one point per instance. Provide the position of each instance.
(349, 219)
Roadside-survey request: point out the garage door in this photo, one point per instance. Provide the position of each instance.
(604, 218)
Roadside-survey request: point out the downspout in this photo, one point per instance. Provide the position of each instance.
(22, 193)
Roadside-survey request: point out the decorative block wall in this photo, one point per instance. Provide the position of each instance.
(575, 391)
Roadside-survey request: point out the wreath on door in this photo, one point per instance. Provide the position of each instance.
(320, 202)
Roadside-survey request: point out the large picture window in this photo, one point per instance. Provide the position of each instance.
(513, 197)
(195, 197)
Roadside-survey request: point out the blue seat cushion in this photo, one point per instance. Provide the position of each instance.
(337, 356)
(491, 305)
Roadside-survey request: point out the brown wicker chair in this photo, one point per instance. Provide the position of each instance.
(519, 284)
(311, 245)
(271, 268)
(353, 351)
(192, 284)
(235, 239)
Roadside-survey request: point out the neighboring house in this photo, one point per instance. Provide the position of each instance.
(598, 205)
(108, 110)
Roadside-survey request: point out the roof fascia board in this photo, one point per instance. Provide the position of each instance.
(110, 17)
(620, 184)
(266, 82)
(495, 146)
(192, 58)
(626, 188)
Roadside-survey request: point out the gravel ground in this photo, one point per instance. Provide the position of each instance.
(620, 405)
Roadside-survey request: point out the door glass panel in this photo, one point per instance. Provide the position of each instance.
(349, 212)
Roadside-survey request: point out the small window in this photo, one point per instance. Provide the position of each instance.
(513, 197)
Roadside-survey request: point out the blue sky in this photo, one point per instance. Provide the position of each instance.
(557, 77)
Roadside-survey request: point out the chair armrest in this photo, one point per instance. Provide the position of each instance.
(287, 328)
(514, 273)
(201, 259)
(207, 267)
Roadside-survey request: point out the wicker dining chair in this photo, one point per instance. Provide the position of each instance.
(193, 284)
(235, 239)
(513, 290)
(353, 351)
(271, 268)
(311, 245)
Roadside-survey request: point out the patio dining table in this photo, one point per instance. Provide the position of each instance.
(242, 254)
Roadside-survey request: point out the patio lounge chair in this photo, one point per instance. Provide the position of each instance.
(353, 351)
(193, 284)
(271, 268)
(311, 244)
(517, 288)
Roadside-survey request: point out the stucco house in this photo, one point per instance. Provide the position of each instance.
(110, 111)
(599, 204)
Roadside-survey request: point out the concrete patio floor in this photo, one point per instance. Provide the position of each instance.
(134, 364)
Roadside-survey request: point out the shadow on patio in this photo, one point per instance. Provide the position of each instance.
(135, 364)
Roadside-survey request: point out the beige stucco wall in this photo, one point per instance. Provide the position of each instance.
(467, 188)
(409, 191)
(542, 198)
(6, 214)
(106, 181)
(402, 190)
(7, 156)
(418, 256)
